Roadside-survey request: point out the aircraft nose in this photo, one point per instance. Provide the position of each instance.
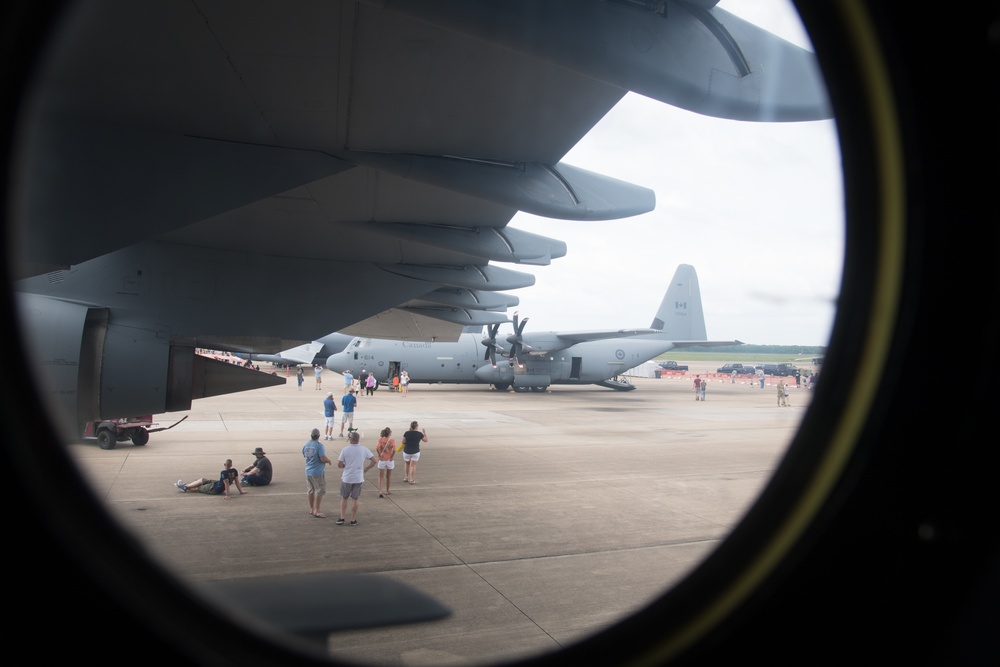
(334, 362)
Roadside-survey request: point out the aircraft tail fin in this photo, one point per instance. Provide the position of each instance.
(680, 314)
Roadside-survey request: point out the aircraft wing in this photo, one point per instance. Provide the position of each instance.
(341, 162)
(563, 339)
(303, 354)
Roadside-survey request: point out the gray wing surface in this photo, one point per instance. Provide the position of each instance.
(288, 142)
(352, 165)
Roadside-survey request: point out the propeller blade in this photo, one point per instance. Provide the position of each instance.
(491, 343)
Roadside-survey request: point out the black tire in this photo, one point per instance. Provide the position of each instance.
(106, 439)
(140, 436)
(501, 387)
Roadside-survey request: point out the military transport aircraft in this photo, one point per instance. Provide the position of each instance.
(536, 360)
(857, 518)
(315, 352)
(183, 163)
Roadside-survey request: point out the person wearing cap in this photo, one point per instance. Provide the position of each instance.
(347, 416)
(330, 412)
(316, 462)
(352, 459)
(258, 473)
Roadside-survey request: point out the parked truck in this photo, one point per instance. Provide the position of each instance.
(672, 366)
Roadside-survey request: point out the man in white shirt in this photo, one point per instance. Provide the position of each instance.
(352, 459)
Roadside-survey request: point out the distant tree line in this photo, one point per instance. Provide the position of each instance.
(797, 350)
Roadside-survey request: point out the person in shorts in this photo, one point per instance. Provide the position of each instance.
(349, 402)
(227, 477)
(316, 461)
(330, 414)
(385, 450)
(352, 460)
(411, 451)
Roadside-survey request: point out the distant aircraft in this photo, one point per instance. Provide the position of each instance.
(536, 360)
(312, 353)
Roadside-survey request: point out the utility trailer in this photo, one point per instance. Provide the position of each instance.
(109, 432)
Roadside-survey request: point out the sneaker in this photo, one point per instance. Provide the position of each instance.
(340, 522)
(341, 436)
(354, 523)
(180, 485)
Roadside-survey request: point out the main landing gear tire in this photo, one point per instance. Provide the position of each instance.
(539, 388)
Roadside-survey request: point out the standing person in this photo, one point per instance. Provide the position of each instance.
(330, 414)
(404, 382)
(300, 377)
(318, 371)
(760, 376)
(411, 451)
(395, 383)
(316, 461)
(370, 384)
(781, 392)
(386, 451)
(348, 379)
(704, 387)
(788, 401)
(227, 477)
(259, 472)
(352, 459)
(347, 416)
(697, 387)
(733, 381)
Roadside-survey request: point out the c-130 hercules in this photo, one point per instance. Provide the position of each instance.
(533, 361)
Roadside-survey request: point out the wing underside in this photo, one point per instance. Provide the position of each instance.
(348, 164)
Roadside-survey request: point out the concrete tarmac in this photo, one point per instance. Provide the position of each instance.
(538, 518)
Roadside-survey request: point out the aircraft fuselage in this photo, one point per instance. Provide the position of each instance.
(462, 361)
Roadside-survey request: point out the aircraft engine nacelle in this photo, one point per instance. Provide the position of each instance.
(501, 374)
(91, 367)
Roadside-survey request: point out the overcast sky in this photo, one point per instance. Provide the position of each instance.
(757, 208)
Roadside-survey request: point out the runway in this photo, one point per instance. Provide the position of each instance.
(538, 518)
